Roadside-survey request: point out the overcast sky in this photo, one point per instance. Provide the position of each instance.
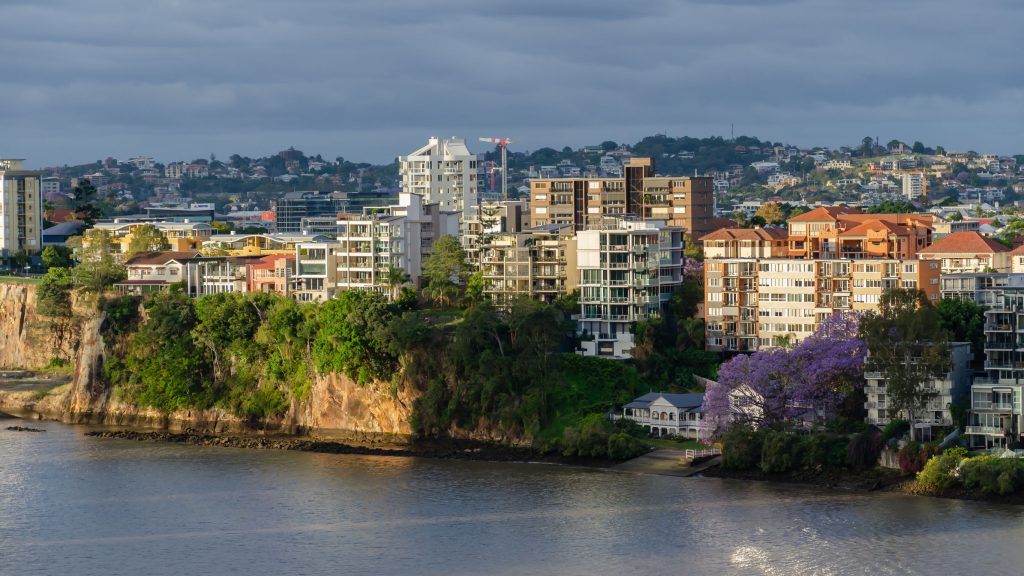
(371, 79)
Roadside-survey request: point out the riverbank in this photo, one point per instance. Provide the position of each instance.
(448, 449)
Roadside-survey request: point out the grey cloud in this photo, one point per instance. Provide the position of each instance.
(370, 80)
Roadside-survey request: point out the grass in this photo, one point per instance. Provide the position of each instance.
(20, 279)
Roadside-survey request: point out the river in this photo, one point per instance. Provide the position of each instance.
(70, 504)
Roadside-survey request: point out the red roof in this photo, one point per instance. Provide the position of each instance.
(965, 243)
(764, 234)
(157, 258)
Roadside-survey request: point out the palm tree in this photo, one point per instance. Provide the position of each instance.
(396, 278)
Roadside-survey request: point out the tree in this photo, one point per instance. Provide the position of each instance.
(867, 147)
(82, 198)
(56, 257)
(964, 321)
(147, 238)
(98, 268)
(775, 387)
(907, 344)
(53, 298)
(772, 213)
(445, 270)
(918, 147)
(396, 278)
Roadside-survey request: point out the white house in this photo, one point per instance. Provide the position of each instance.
(667, 414)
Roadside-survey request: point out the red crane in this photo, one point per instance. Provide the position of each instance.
(503, 142)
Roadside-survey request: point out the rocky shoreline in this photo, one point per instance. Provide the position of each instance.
(441, 449)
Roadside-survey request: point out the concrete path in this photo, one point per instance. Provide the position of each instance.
(664, 462)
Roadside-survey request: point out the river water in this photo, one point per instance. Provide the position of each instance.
(70, 504)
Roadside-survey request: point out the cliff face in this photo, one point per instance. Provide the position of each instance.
(26, 339)
(336, 407)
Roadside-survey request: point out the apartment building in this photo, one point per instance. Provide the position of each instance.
(492, 218)
(291, 208)
(260, 244)
(218, 274)
(966, 252)
(752, 303)
(367, 248)
(996, 418)
(841, 232)
(953, 386)
(443, 172)
(984, 289)
(684, 202)
(21, 208)
(272, 274)
(538, 263)
(181, 236)
(628, 269)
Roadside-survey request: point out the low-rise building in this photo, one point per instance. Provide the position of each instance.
(148, 272)
(673, 415)
(272, 274)
(181, 236)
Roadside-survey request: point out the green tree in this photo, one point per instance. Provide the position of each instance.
(147, 238)
(907, 344)
(81, 199)
(396, 278)
(98, 268)
(964, 321)
(56, 257)
(445, 270)
(53, 297)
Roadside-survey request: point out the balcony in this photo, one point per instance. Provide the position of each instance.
(989, 405)
(985, 430)
(874, 376)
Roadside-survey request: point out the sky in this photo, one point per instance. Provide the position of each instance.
(81, 80)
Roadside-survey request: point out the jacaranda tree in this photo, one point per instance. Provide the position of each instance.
(779, 386)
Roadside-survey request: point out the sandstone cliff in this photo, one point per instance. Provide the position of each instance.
(336, 407)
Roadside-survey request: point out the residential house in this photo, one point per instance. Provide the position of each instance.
(965, 252)
(664, 414)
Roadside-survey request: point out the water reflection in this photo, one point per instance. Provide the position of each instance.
(113, 506)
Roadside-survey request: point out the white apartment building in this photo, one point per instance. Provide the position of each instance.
(368, 247)
(443, 172)
(627, 270)
(935, 413)
(913, 186)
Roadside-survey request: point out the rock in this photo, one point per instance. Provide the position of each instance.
(24, 429)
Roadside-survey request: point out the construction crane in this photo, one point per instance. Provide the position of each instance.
(503, 142)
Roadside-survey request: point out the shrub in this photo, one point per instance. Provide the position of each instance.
(741, 448)
(622, 446)
(914, 455)
(993, 475)
(779, 452)
(864, 449)
(589, 438)
(895, 429)
(939, 472)
(264, 401)
(823, 451)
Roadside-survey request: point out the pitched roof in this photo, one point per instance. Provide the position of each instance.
(764, 234)
(965, 243)
(875, 225)
(163, 257)
(824, 213)
(687, 401)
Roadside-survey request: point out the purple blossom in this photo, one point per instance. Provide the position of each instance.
(777, 386)
(693, 268)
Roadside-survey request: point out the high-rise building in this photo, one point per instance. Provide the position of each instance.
(21, 209)
(628, 270)
(443, 172)
(913, 186)
(291, 208)
(753, 303)
(538, 263)
(684, 202)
